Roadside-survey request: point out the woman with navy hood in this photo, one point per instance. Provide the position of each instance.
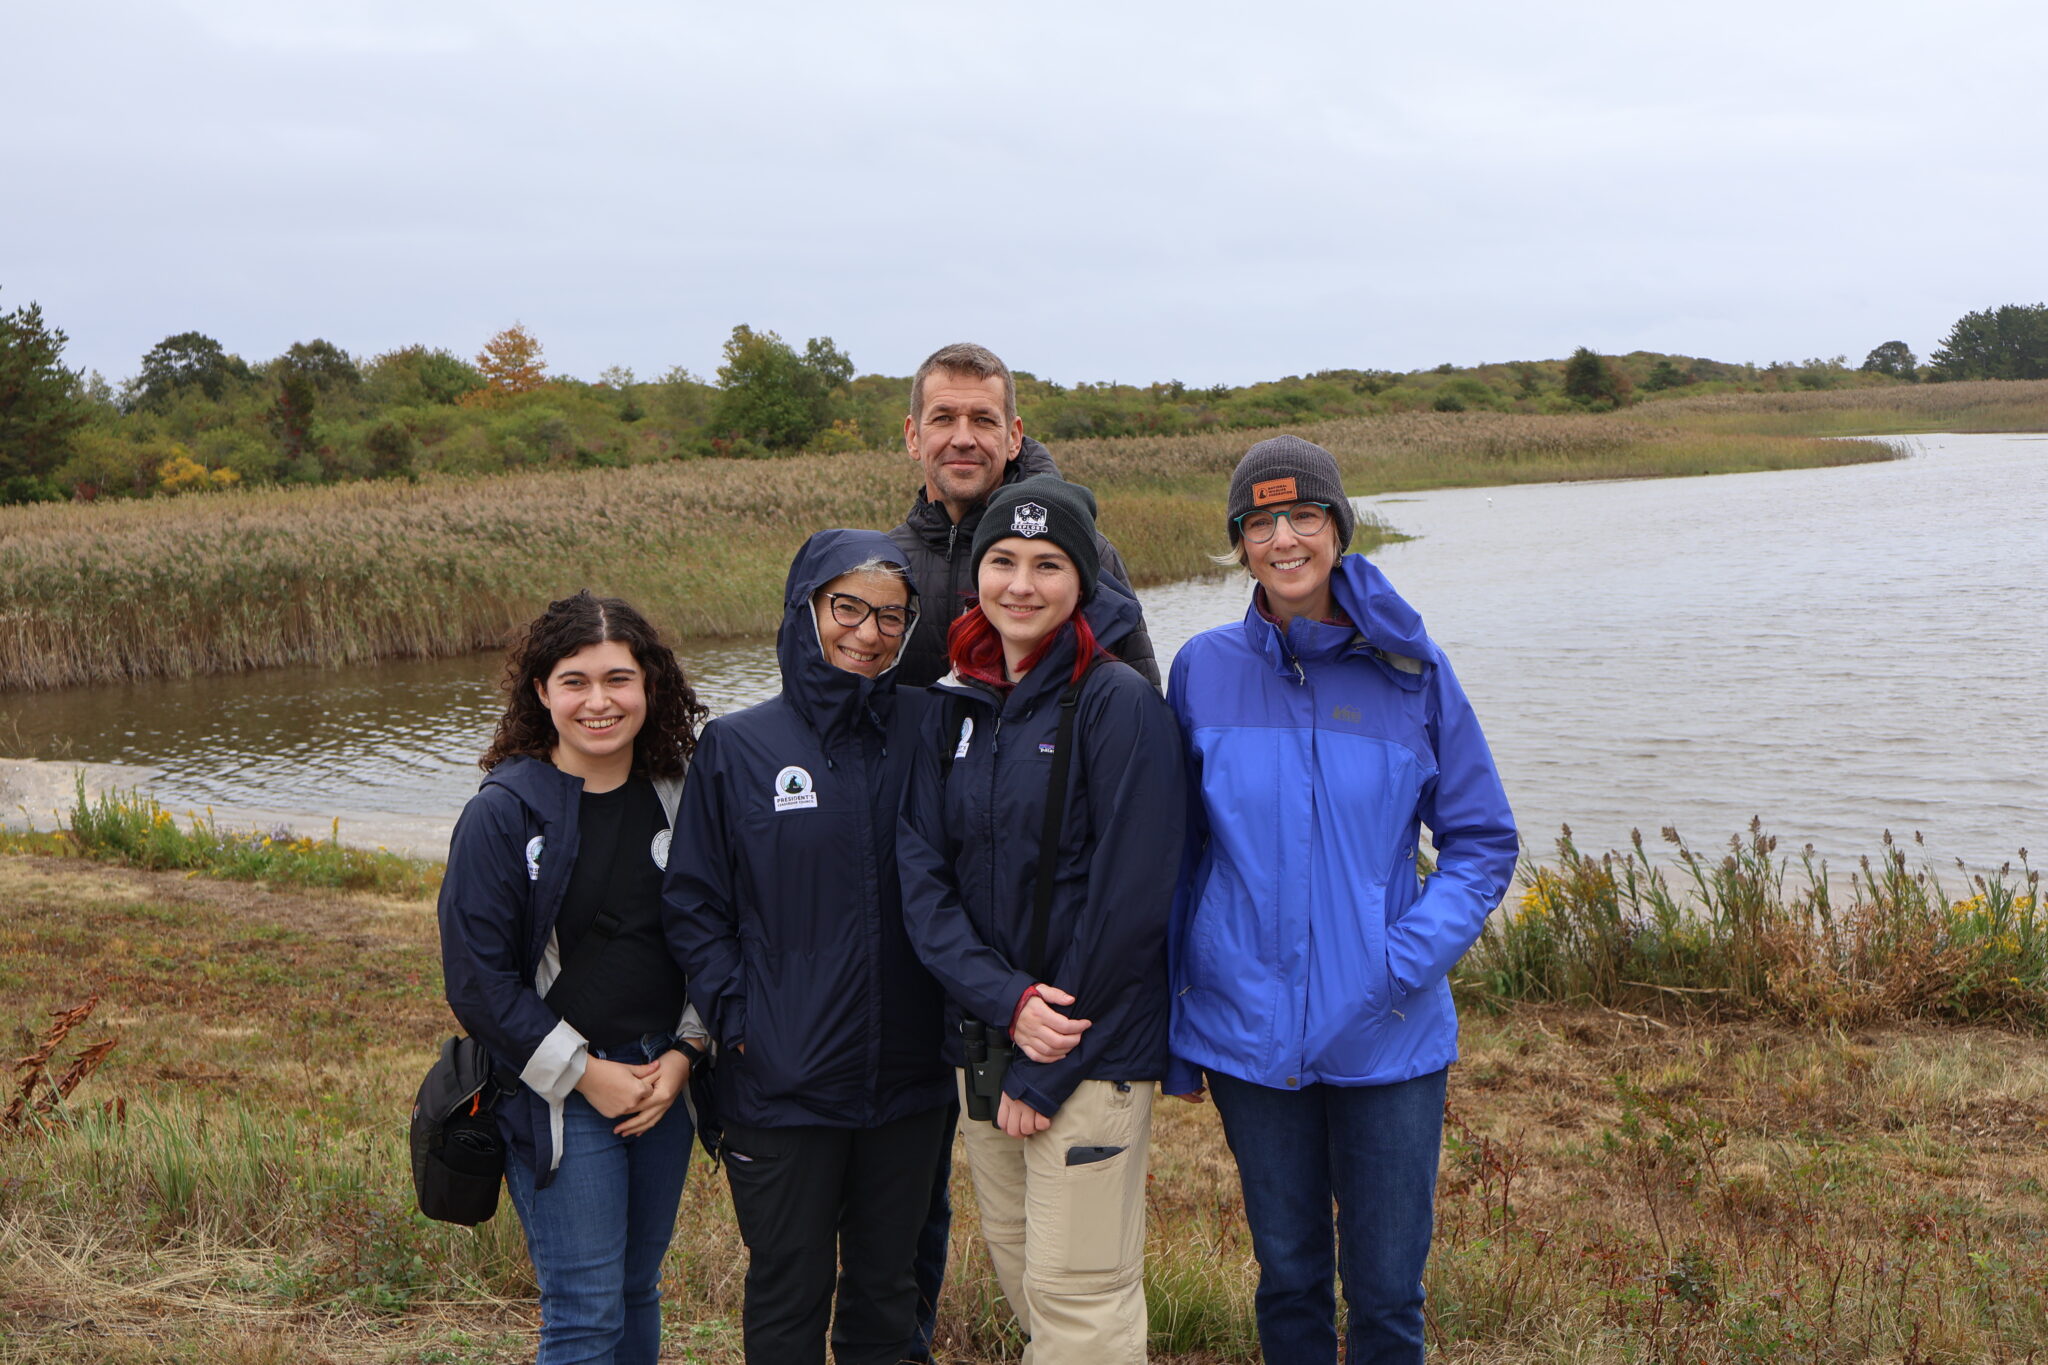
(1038, 842)
(552, 949)
(783, 905)
(1323, 733)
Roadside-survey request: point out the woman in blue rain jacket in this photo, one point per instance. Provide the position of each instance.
(1323, 733)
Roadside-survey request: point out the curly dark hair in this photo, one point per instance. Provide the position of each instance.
(669, 735)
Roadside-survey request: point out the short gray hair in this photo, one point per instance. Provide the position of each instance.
(964, 357)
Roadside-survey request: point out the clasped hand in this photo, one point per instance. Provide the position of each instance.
(636, 1095)
(1044, 1034)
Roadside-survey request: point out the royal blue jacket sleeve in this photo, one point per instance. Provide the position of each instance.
(1467, 812)
(1115, 964)
(699, 913)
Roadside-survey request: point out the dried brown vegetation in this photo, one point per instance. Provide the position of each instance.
(103, 592)
(1615, 1187)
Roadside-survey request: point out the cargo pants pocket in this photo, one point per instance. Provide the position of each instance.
(1095, 1196)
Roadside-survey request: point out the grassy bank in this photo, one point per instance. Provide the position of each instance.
(1984, 405)
(1751, 932)
(1621, 1182)
(136, 830)
(103, 592)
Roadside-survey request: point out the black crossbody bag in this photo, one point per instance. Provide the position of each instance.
(458, 1154)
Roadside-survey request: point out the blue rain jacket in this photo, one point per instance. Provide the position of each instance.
(969, 848)
(782, 900)
(1304, 950)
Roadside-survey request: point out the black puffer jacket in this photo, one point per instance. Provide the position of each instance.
(936, 550)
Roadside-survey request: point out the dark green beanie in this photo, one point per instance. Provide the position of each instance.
(1043, 506)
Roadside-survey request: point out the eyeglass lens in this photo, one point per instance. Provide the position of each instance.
(1306, 519)
(850, 611)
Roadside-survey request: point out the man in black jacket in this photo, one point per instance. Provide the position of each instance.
(965, 435)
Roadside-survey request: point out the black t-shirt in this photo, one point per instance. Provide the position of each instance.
(633, 986)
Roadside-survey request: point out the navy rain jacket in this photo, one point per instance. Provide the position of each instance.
(782, 900)
(508, 869)
(969, 847)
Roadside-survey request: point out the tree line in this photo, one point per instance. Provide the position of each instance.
(196, 416)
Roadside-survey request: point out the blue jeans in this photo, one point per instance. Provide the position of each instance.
(1373, 1148)
(597, 1234)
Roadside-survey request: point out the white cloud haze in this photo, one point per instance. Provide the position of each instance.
(1132, 192)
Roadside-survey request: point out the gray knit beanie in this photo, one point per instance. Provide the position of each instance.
(1284, 470)
(1048, 506)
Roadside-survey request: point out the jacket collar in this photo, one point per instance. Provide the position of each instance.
(1383, 623)
(1112, 614)
(935, 528)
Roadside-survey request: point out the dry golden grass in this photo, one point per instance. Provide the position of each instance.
(250, 579)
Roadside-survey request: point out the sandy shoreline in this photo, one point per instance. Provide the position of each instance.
(39, 792)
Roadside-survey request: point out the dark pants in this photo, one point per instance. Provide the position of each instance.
(816, 1203)
(1373, 1148)
(933, 1246)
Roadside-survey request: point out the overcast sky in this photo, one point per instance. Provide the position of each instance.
(1098, 191)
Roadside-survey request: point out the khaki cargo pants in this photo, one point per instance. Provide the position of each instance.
(1063, 1214)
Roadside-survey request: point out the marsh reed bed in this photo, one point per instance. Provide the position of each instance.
(1752, 932)
(1796, 1155)
(350, 573)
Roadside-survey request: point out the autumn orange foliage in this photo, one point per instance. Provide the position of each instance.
(511, 363)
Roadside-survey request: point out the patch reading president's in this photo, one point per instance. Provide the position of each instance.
(794, 790)
(1272, 491)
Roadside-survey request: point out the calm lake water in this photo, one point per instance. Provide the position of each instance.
(1841, 651)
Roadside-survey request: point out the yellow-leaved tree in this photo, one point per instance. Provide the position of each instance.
(511, 363)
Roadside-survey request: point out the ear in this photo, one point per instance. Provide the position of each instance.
(1016, 437)
(910, 436)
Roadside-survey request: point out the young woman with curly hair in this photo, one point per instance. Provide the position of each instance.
(552, 948)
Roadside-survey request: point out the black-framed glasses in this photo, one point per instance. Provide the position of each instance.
(850, 611)
(1303, 518)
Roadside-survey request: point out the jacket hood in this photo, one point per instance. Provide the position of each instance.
(929, 519)
(542, 787)
(1382, 619)
(831, 700)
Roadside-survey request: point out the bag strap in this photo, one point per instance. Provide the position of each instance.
(603, 929)
(1055, 816)
(607, 923)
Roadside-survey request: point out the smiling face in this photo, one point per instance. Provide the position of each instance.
(1295, 570)
(864, 648)
(597, 698)
(961, 439)
(1028, 589)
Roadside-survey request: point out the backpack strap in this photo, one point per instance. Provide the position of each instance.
(1055, 816)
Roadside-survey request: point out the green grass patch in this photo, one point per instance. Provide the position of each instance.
(135, 828)
(1751, 930)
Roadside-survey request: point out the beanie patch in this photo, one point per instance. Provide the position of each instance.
(1273, 491)
(1028, 520)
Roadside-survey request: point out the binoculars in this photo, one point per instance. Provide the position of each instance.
(988, 1057)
